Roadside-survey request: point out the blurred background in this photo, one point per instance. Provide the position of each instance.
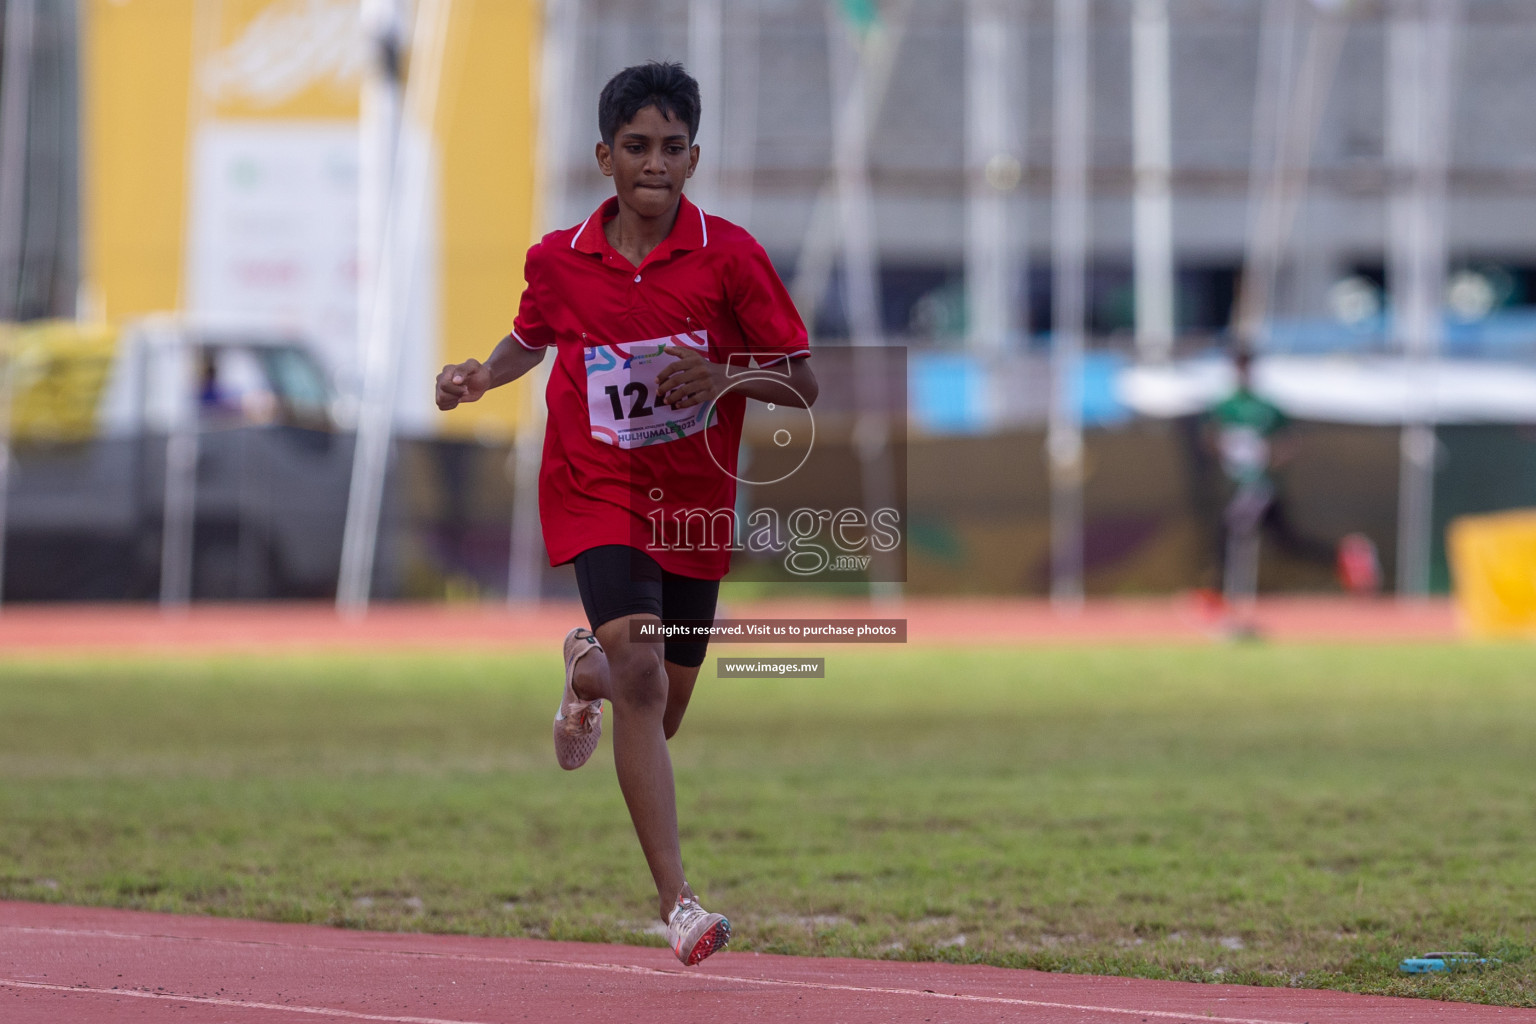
(238, 238)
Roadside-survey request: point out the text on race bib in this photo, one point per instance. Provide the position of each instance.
(622, 405)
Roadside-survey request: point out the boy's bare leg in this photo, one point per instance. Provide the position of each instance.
(680, 679)
(633, 677)
(591, 683)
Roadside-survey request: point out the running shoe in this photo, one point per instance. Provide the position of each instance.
(694, 932)
(578, 723)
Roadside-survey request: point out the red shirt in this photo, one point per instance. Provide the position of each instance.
(617, 469)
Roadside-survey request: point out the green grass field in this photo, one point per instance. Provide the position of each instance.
(1272, 815)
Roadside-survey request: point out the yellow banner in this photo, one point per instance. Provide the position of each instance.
(489, 137)
(159, 72)
(1493, 563)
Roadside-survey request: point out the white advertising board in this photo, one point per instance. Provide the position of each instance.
(273, 239)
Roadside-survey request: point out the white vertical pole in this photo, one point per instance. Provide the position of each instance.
(382, 24)
(400, 249)
(1271, 113)
(706, 64)
(1069, 245)
(992, 170)
(851, 63)
(379, 115)
(850, 168)
(1421, 46)
(20, 29)
(378, 131)
(170, 357)
(1278, 190)
(557, 115)
(1153, 158)
(170, 344)
(523, 571)
(817, 256)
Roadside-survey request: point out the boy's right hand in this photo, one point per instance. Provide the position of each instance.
(464, 382)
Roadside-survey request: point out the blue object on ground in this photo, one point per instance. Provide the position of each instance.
(1443, 962)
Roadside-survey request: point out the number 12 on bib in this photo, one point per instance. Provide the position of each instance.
(621, 393)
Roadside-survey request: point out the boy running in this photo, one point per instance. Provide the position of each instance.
(1252, 439)
(647, 304)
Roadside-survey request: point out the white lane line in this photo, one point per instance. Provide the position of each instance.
(318, 1011)
(673, 973)
(827, 986)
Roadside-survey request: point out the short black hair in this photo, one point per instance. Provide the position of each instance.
(660, 84)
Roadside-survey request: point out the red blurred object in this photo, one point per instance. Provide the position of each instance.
(1359, 567)
(1210, 604)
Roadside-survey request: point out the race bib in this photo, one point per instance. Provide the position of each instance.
(622, 406)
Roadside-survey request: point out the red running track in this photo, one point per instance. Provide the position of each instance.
(261, 628)
(86, 966)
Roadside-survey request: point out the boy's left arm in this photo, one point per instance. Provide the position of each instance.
(696, 380)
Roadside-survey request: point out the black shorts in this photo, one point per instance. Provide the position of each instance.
(615, 580)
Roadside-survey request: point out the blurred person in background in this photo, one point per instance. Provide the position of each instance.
(1252, 439)
(647, 303)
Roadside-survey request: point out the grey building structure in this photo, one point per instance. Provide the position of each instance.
(773, 145)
